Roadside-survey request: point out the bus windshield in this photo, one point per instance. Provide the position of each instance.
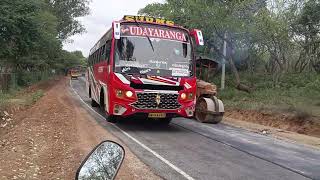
(165, 54)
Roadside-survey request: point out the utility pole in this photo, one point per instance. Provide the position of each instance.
(223, 76)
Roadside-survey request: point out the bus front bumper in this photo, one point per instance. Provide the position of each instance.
(186, 110)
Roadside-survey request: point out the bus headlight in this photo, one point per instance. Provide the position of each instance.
(124, 94)
(190, 96)
(183, 96)
(129, 94)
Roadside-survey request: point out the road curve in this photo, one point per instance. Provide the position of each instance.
(187, 149)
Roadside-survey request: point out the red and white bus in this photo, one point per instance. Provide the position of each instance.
(144, 67)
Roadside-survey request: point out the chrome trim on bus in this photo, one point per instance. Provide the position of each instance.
(158, 91)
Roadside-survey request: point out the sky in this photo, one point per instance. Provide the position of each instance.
(102, 13)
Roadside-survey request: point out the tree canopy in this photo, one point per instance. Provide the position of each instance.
(32, 32)
(273, 36)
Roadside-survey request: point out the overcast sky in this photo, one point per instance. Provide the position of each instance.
(103, 12)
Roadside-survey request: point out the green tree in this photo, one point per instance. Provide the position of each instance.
(215, 19)
(81, 59)
(306, 30)
(30, 33)
(270, 33)
(67, 12)
(19, 31)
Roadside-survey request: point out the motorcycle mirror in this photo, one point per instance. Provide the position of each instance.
(103, 162)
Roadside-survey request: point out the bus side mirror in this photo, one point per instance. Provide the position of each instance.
(197, 34)
(116, 30)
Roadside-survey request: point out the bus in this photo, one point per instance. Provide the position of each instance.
(144, 67)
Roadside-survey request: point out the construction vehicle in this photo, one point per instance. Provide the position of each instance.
(209, 109)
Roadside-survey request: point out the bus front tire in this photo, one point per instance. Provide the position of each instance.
(111, 119)
(94, 103)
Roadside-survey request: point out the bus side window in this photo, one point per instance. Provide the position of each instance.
(97, 58)
(108, 50)
(103, 54)
(99, 55)
(93, 58)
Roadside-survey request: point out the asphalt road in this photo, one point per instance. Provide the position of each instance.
(187, 149)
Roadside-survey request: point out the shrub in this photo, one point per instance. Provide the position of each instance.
(294, 90)
(37, 95)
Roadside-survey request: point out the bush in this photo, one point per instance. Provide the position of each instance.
(26, 78)
(36, 96)
(3, 98)
(297, 91)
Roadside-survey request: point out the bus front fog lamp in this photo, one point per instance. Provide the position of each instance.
(116, 109)
(119, 110)
(189, 111)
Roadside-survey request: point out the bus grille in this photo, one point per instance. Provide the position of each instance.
(148, 101)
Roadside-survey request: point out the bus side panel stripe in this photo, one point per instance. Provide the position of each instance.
(122, 78)
(94, 84)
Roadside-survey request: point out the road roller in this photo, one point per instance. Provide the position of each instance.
(209, 109)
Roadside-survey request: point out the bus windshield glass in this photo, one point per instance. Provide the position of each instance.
(153, 50)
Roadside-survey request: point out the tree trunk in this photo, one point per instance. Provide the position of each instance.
(239, 85)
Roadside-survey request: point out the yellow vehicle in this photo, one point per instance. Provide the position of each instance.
(74, 74)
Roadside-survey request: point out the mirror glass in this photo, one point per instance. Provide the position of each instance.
(103, 163)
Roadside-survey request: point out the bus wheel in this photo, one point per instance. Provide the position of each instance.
(111, 118)
(94, 103)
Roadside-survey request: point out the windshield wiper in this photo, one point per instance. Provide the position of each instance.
(150, 42)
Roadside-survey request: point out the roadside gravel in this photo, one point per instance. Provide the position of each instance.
(50, 139)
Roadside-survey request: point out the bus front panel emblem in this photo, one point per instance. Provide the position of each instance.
(158, 99)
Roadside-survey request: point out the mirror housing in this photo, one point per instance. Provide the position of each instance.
(116, 30)
(197, 34)
(103, 162)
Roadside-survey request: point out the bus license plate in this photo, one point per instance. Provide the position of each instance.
(157, 115)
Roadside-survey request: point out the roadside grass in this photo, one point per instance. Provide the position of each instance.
(15, 98)
(34, 97)
(5, 97)
(298, 94)
(18, 83)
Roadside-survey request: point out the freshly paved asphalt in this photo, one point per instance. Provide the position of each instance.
(207, 151)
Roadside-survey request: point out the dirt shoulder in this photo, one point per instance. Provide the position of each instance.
(281, 126)
(51, 138)
(295, 122)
